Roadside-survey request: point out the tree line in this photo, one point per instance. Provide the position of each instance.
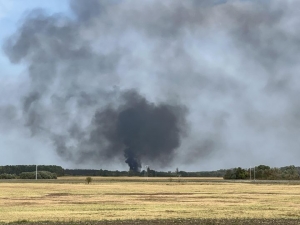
(149, 173)
(15, 171)
(30, 175)
(263, 172)
(18, 169)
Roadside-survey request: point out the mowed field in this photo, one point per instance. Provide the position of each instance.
(71, 199)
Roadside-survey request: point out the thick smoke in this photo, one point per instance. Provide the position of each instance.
(134, 127)
(146, 130)
(58, 61)
(126, 78)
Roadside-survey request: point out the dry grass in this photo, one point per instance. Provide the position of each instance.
(136, 198)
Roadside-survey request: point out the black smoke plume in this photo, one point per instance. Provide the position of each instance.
(146, 130)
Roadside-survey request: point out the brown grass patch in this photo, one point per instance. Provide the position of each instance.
(137, 199)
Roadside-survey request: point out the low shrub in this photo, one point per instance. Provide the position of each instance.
(88, 180)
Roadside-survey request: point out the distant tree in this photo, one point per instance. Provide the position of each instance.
(262, 172)
(88, 180)
(274, 174)
(241, 173)
(236, 173)
(289, 173)
(263, 167)
(229, 174)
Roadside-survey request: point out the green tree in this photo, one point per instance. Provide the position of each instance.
(88, 180)
(262, 172)
(241, 173)
(289, 173)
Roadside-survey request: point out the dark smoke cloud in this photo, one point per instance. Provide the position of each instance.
(135, 128)
(147, 131)
(58, 61)
(118, 78)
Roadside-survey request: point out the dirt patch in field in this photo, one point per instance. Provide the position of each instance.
(152, 194)
(57, 194)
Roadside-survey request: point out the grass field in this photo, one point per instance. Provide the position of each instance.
(69, 198)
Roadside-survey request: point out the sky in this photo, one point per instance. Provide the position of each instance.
(195, 85)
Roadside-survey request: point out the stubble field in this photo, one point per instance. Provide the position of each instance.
(148, 201)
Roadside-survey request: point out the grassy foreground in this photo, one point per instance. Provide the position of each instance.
(161, 201)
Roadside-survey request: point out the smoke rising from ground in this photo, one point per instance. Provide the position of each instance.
(210, 82)
(147, 131)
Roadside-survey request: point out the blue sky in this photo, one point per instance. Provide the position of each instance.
(11, 13)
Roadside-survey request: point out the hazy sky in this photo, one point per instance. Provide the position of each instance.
(217, 79)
